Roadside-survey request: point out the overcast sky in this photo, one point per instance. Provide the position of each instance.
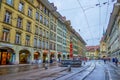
(88, 20)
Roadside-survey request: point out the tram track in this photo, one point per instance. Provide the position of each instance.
(58, 73)
(64, 74)
(78, 74)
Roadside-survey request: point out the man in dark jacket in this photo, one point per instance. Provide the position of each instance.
(116, 61)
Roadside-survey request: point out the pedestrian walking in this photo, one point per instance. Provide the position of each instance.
(116, 61)
(104, 59)
(113, 60)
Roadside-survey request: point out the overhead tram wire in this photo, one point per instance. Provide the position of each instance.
(99, 17)
(106, 15)
(85, 18)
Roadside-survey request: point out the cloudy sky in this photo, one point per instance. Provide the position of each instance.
(88, 17)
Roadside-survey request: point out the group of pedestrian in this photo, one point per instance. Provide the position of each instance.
(115, 60)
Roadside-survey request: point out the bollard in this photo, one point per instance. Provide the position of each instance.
(69, 68)
(46, 66)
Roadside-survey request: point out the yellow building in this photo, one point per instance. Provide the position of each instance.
(103, 51)
(24, 31)
(68, 24)
(92, 52)
(81, 46)
(28, 32)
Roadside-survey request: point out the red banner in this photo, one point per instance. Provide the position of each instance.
(71, 50)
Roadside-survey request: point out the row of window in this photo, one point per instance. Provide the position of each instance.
(40, 44)
(18, 38)
(6, 37)
(7, 19)
(21, 9)
(39, 31)
(41, 19)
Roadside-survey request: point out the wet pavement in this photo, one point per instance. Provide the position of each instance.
(20, 68)
(114, 71)
(89, 71)
(98, 73)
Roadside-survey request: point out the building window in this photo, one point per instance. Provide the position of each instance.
(7, 18)
(51, 26)
(18, 38)
(47, 23)
(10, 2)
(27, 41)
(43, 33)
(47, 45)
(39, 43)
(21, 5)
(47, 34)
(6, 35)
(28, 26)
(29, 12)
(45, 10)
(40, 31)
(41, 18)
(54, 28)
(44, 21)
(19, 22)
(37, 16)
(50, 45)
(41, 7)
(36, 30)
(43, 44)
(35, 42)
(54, 47)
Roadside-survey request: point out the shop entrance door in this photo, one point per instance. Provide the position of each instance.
(4, 58)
